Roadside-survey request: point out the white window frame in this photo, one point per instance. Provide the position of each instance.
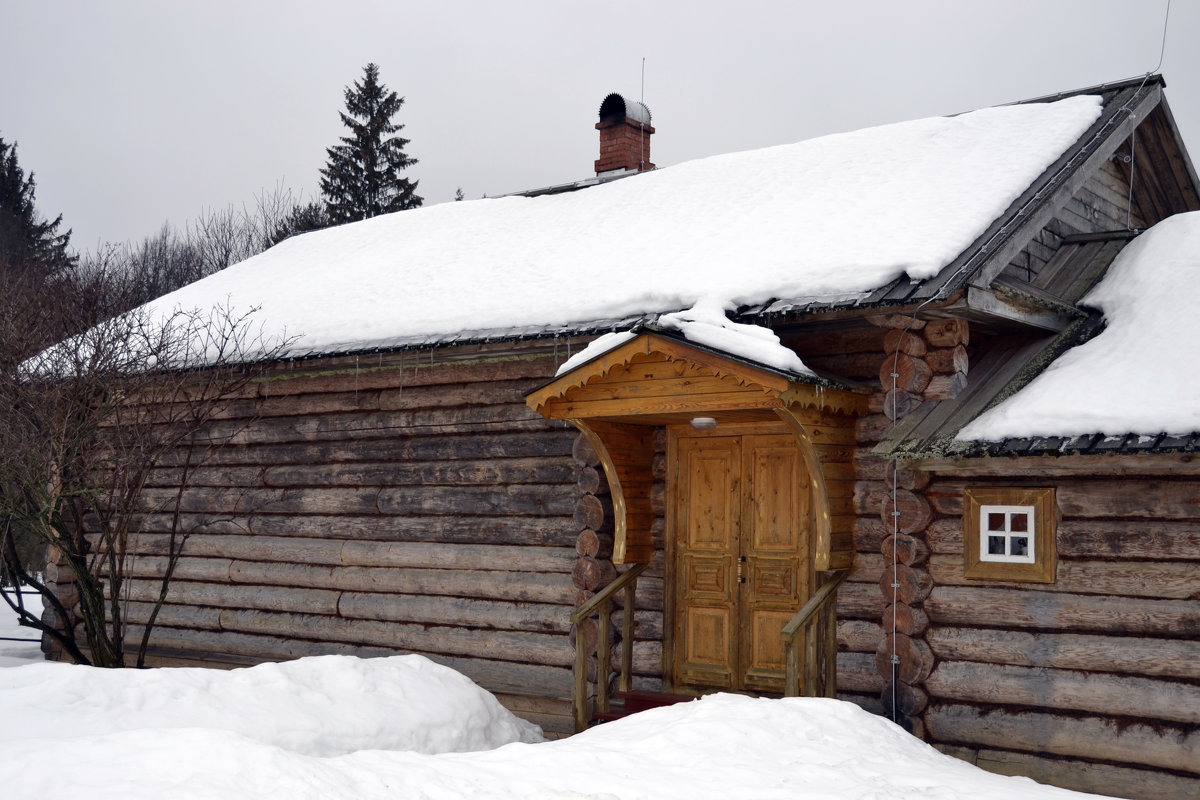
(986, 533)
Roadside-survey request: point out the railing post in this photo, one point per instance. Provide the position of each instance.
(604, 655)
(830, 614)
(626, 683)
(601, 603)
(791, 681)
(581, 714)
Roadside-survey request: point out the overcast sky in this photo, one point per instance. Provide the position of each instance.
(136, 113)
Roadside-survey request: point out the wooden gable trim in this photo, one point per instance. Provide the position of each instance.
(549, 400)
(711, 383)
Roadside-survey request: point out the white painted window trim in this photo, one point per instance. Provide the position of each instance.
(1009, 535)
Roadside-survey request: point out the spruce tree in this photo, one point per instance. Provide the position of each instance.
(361, 178)
(27, 242)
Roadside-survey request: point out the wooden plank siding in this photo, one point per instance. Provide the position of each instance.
(1098, 667)
(1099, 205)
(397, 509)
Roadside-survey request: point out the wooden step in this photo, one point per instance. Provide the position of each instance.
(640, 701)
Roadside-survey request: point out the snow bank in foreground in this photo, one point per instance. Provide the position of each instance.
(836, 215)
(1138, 375)
(323, 706)
(258, 733)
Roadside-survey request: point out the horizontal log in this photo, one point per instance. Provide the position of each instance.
(946, 387)
(856, 672)
(434, 556)
(956, 605)
(909, 342)
(1179, 580)
(894, 321)
(859, 601)
(948, 360)
(915, 658)
(868, 567)
(322, 377)
(495, 676)
(871, 428)
(515, 443)
(464, 529)
(858, 636)
(590, 480)
(522, 646)
(905, 699)
(855, 366)
(869, 533)
(837, 342)
(1131, 655)
(945, 535)
(1088, 776)
(483, 584)
(594, 545)
(1099, 499)
(907, 550)
(904, 478)
(590, 512)
(276, 598)
(947, 332)
(897, 403)
(905, 619)
(1088, 737)
(1149, 539)
(490, 472)
(909, 510)
(456, 612)
(592, 574)
(1065, 690)
(372, 425)
(903, 372)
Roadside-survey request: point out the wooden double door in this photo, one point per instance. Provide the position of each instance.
(741, 505)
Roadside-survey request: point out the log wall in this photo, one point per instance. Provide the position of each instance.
(1091, 682)
(398, 507)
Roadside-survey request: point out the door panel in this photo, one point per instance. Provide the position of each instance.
(741, 506)
(775, 548)
(708, 519)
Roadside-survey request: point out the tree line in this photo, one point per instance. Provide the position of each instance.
(95, 393)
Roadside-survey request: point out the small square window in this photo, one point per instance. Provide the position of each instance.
(1009, 534)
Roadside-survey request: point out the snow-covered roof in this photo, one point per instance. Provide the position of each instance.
(837, 216)
(1138, 375)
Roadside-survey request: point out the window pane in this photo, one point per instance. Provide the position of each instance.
(1020, 522)
(1020, 546)
(995, 545)
(995, 522)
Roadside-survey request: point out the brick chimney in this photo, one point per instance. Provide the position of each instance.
(624, 136)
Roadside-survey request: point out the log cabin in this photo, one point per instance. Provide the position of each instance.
(513, 435)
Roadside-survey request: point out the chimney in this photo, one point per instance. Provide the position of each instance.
(624, 136)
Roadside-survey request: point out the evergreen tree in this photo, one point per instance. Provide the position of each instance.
(361, 178)
(27, 242)
(301, 219)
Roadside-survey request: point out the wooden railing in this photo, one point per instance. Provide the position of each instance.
(601, 604)
(818, 620)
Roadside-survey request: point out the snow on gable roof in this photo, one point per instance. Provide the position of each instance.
(1138, 376)
(832, 216)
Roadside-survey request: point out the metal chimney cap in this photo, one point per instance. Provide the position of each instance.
(617, 109)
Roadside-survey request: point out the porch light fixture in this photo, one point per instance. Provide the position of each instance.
(704, 423)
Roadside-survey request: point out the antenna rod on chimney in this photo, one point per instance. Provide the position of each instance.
(642, 131)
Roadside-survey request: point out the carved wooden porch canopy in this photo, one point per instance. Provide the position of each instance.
(617, 399)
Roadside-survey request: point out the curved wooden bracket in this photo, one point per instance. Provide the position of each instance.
(627, 454)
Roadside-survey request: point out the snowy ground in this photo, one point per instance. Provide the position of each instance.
(340, 727)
